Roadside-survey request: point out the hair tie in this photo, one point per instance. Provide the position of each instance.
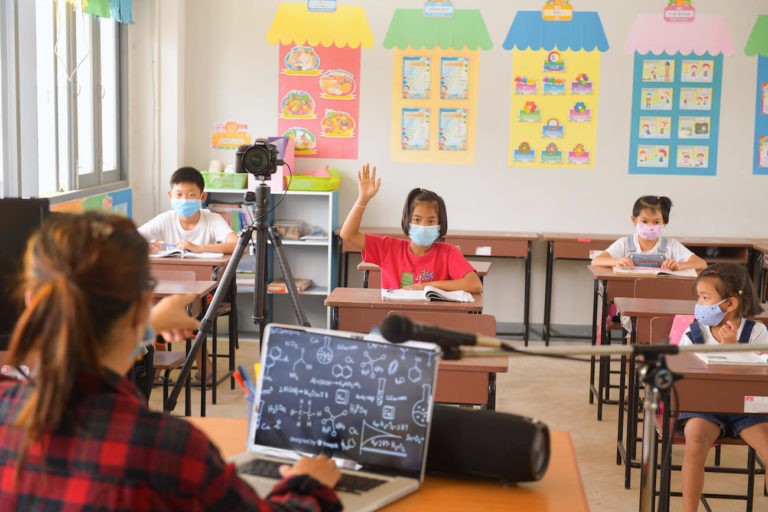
(741, 292)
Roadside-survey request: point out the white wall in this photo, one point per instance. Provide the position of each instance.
(229, 71)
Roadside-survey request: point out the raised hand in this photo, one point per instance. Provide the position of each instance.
(367, 184)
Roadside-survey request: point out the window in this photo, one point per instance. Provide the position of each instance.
(70, 125)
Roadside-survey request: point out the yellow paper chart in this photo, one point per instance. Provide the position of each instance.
(553, 121)
(434, 105)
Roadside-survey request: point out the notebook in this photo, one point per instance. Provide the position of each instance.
(366, 403)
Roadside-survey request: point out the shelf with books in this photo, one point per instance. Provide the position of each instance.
(313, 259)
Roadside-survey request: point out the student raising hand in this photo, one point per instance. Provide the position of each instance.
(367, 187)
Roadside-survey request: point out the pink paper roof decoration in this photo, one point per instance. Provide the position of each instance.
(708, 33)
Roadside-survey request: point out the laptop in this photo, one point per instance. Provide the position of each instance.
(366, 403)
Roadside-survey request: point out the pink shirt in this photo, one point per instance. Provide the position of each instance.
(400, 267)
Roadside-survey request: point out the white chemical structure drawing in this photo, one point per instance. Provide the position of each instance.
(414, 372)
(307, 413)
(380, 392)
(330, 421)
(298, 362)
(274, 356)
(369, 367)
(342, 371)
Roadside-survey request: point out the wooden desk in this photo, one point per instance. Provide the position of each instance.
(719, 250)
(568, 246)
(360, 309)
(165, 288)
(561, 488)
(204, 269)
(372, 272)
(469, 381)
(492, 244)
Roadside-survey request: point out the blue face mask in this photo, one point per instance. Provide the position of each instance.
(186, 207)
(423, 235)
(709, 315)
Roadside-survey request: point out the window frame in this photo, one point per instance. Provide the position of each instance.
(18, 91)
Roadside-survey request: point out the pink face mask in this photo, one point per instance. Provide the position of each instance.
(649, 231)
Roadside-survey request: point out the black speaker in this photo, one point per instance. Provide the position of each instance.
(487, 444)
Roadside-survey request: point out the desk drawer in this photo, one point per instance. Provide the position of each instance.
(578, 250)
(497, 247)
(459, 387)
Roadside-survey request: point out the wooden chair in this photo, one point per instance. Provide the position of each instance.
(166, 361)
(225, 309)
(604, 372)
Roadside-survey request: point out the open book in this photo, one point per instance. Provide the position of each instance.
(427, 294)
(187, 254)
(639, 271)
(739, 358)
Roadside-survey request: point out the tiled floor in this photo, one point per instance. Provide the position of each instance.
(554, 391)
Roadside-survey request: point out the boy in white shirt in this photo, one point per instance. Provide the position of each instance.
(188, 226)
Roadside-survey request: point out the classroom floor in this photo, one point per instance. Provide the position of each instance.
(554, 391)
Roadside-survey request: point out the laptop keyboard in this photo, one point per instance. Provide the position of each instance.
(347, 483)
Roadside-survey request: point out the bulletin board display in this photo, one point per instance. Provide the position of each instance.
(434, 105)
(553, 121)
(761, 118)
(675, 114)
(319, 99)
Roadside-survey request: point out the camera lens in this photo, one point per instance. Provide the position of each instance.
(256, 159)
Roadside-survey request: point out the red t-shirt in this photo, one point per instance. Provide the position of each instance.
(400, 267)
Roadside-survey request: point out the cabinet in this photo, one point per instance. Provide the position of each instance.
(313, 258)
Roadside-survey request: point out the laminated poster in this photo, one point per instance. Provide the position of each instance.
(675, 114)
(454, 78)
(415, 129)
(319, 99)
(416, 77)
(554, 108)
(453, 129)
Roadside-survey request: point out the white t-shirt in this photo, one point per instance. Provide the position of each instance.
(210, 229)
(759, 334)
(675, 250)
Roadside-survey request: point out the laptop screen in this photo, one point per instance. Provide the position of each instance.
(330, 392)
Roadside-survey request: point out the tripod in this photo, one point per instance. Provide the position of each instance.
(263, 230)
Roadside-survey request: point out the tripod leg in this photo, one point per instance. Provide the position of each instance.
(290, 284)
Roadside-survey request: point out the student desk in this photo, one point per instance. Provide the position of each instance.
(372, 273)
(493, 244)
(568, 246)
(201, 289)
(469, 381)
(360, 309)
(204, 269)
(640, 310)
(561, 488)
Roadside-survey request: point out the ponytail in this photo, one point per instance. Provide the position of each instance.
(83, 272)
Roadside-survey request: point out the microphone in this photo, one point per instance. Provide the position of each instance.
(398, 329)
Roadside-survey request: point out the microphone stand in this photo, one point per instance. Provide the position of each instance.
(654, 374)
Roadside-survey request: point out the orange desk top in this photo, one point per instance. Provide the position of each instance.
(560, 489)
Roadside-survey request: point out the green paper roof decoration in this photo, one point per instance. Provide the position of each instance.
(758, 39)
(466, 29)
